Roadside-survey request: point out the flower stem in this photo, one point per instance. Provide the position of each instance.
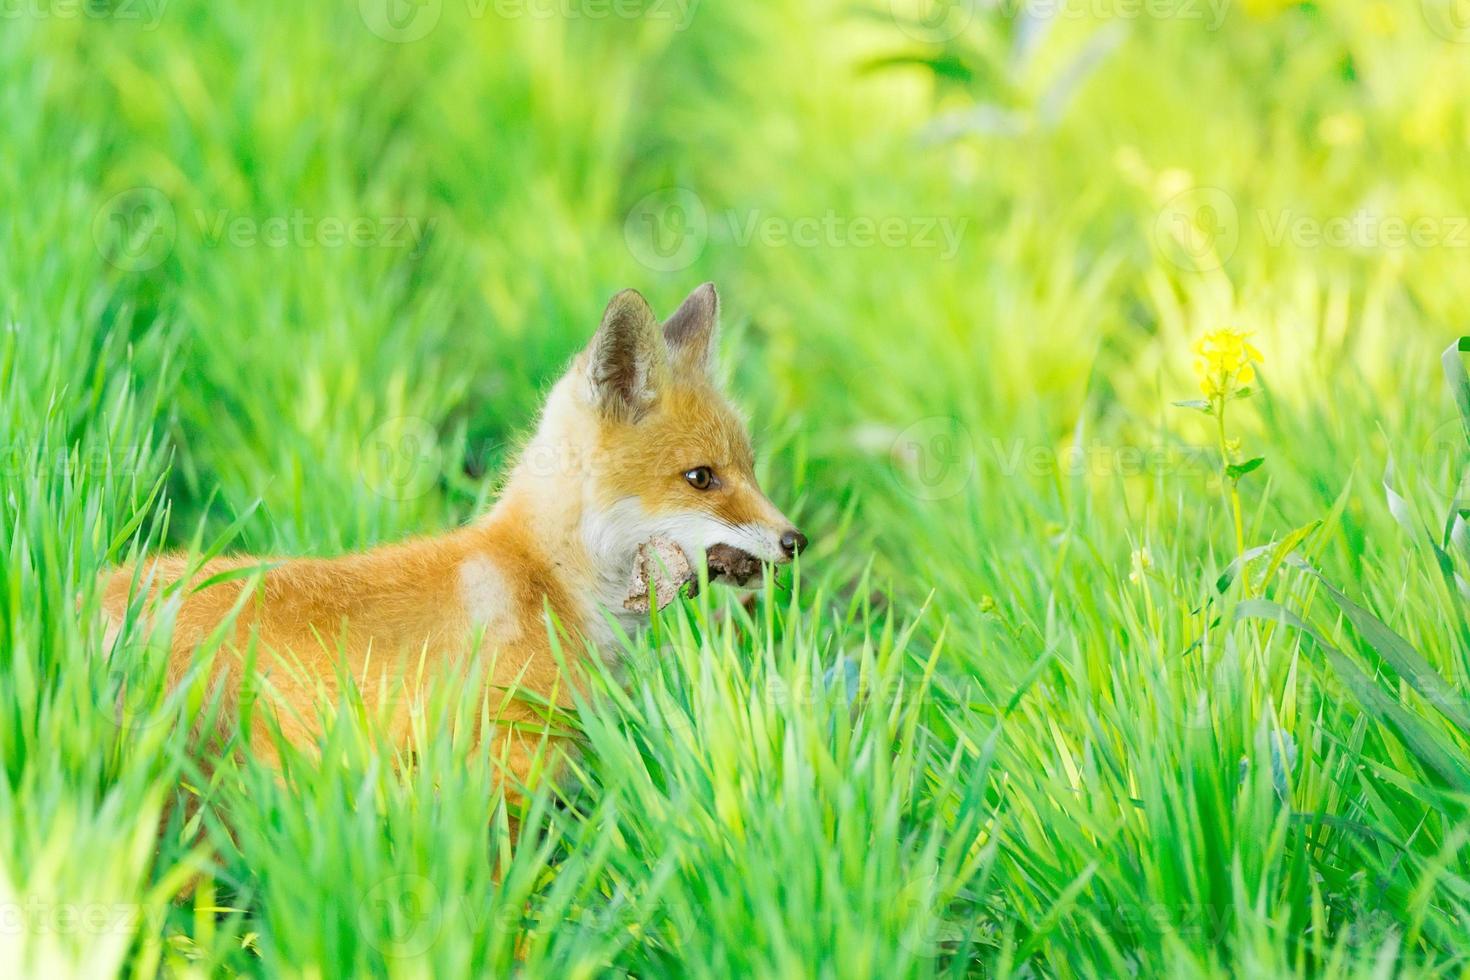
(1234, 482)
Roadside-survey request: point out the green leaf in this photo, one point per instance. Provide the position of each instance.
(1286, 546)
(230, 575)
(943, 66)
(1408, 662)
(1397, 505)
(1237, 470)
(1198, 404)
(1227, 577)
(1280, 553)
(1431, 748)
(1459, 381)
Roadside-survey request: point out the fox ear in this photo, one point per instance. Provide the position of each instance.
(690, 332)
(625, 358)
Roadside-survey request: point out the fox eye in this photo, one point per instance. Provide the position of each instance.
(700, 478)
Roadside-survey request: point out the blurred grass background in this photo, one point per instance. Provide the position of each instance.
(292, 279)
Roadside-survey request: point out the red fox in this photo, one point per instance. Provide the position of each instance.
(635, 444)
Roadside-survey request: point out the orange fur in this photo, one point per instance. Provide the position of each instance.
(636, 411)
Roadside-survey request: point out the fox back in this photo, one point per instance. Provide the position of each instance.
(635, 443)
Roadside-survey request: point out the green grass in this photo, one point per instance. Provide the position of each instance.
(960, 740)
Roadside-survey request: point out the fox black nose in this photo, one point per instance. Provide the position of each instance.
(792, 542)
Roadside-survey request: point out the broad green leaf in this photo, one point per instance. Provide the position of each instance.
(1397, 505)
(1286, 546)
(1431, 748)
(1237, 470)
(1459, 380)
(1409, 663)
(944, 66)
(1227, 577)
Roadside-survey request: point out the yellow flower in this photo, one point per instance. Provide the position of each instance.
(1225, 362)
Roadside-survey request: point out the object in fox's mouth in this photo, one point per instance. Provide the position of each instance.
(663, 563)
(734, 564)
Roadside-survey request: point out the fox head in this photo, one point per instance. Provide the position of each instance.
(656, 450)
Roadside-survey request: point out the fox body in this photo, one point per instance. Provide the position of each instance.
(635, 442)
